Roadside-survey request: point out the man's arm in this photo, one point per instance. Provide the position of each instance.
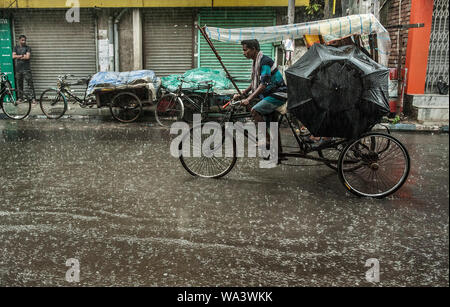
(244, 93)
(15, 56)
(256, 93)
(27, 56)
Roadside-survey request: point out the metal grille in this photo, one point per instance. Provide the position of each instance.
(438, 61)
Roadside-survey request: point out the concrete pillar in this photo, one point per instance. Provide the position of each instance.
(138, 58)
(291, 12)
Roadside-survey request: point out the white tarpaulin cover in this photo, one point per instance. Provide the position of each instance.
(330, 28)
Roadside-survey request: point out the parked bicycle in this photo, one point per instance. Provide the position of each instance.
(53, 101)
(199, 99)
(14, 102)
(125, 106)
(170, 107)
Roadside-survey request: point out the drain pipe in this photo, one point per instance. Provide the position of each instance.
(116, 39)
(111, 43)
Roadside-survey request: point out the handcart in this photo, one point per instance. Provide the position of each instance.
(124, 93)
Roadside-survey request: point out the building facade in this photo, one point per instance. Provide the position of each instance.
(92, 36)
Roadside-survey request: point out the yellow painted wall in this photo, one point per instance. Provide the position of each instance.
(146, 3)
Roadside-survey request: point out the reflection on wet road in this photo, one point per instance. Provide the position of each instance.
(112, 197)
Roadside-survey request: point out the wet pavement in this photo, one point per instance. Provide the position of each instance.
(112, 197)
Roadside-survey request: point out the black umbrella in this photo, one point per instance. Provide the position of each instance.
(337, 92)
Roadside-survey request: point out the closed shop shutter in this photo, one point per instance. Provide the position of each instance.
(58, 47)
(239, 67)
(168, 40)
(438, 61)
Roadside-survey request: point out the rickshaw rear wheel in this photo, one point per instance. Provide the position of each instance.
(126, 107)
(383, 165)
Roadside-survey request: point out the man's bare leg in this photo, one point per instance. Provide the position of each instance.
(258, 118)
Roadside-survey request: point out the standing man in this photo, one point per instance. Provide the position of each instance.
(22, 55)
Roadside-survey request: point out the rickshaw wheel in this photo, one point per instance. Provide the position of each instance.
(382, 165)
(126, 107)
(169, 110)
(220, 158)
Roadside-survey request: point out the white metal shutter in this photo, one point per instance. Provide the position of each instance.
(57, 46)
(168, 40)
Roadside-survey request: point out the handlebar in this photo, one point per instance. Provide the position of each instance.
(63, 78)
(232, 103)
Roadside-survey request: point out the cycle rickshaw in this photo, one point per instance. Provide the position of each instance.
(369, 164)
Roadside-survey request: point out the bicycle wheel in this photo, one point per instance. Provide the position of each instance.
(214, 161)
(169, 109)
(53, 103)
(126, 107)
(383, 165)
(194, 104)
(16, 104)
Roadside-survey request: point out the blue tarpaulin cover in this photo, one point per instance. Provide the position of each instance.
(122, 80)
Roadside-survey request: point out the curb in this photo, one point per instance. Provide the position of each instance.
(406, 127)
(413, 127)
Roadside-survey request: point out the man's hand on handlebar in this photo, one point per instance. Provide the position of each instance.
(245, 102)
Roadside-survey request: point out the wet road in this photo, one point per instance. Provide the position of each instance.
(112, 197)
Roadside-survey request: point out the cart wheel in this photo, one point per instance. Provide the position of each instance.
(381, 165)
(126, 107)
(15, 103)
(217, 164)
(169, 109)
(53, 103)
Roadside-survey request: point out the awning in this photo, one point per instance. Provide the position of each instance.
(331, 29)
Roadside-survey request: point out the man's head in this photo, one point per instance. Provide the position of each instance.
(22, 40)
(250, 48)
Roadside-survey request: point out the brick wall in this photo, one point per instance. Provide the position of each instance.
(393, 12)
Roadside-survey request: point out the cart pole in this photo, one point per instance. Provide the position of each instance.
(202, 31)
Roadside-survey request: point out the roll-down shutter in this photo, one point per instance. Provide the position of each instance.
(168, 40)
(58, 47)
(240, 68)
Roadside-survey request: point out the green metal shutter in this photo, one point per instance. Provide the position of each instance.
(6, 61)
(240, 68)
